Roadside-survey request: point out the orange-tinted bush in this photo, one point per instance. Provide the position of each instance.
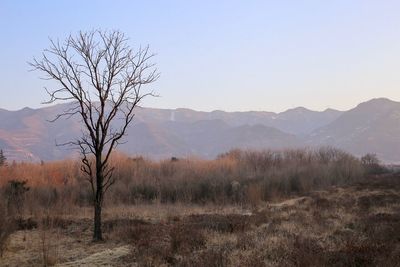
(235, 177)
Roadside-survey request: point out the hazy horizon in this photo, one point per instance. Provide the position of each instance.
(212, 110)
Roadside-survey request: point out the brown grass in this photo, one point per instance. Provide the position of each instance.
(243, 209)
(235, 178)
(318, 229)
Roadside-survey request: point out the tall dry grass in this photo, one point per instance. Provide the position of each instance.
(236, 177)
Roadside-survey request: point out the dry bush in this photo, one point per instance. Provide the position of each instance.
(158, 244)
(245, 241)
(236, 177)
(254, 259)
(151, 244)
(128, 228)
(356, 253)
(254, 194)
(7, 227)
(322, 228)
(230, 223)
(322, 203)
(306, 252)
(212, 257)
(15, 193)
(25, 224)
(372, 164)
(185, 239)
(48, 229)
(48, 250)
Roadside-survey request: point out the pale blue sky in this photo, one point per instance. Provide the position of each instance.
(229, 55)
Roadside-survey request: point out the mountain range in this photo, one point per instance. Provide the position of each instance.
(370, 127)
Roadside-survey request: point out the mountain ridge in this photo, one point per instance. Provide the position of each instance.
(372, 126)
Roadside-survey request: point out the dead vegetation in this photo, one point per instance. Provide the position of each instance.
(355, 225)
(301, 221)
(235, 178)
(6, 228)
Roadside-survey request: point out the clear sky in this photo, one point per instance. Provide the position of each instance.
(229, 55)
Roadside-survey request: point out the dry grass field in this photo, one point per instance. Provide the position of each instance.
(353, 225)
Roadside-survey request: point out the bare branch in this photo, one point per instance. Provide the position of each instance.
(103, 77)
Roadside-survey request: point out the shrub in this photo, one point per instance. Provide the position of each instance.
(185, 239)
(6, 228)
(372, 164)
(15, 194)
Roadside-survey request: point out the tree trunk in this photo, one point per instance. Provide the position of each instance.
(97, 233)
(98, 201)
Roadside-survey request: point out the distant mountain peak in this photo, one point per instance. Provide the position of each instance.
(372, 126)
(331, 110)
(298, 110)
(379, 101)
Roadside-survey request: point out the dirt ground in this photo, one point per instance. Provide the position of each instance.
(357, 225)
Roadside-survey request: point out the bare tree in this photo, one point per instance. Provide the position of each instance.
(3, 159)
(102, 77)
